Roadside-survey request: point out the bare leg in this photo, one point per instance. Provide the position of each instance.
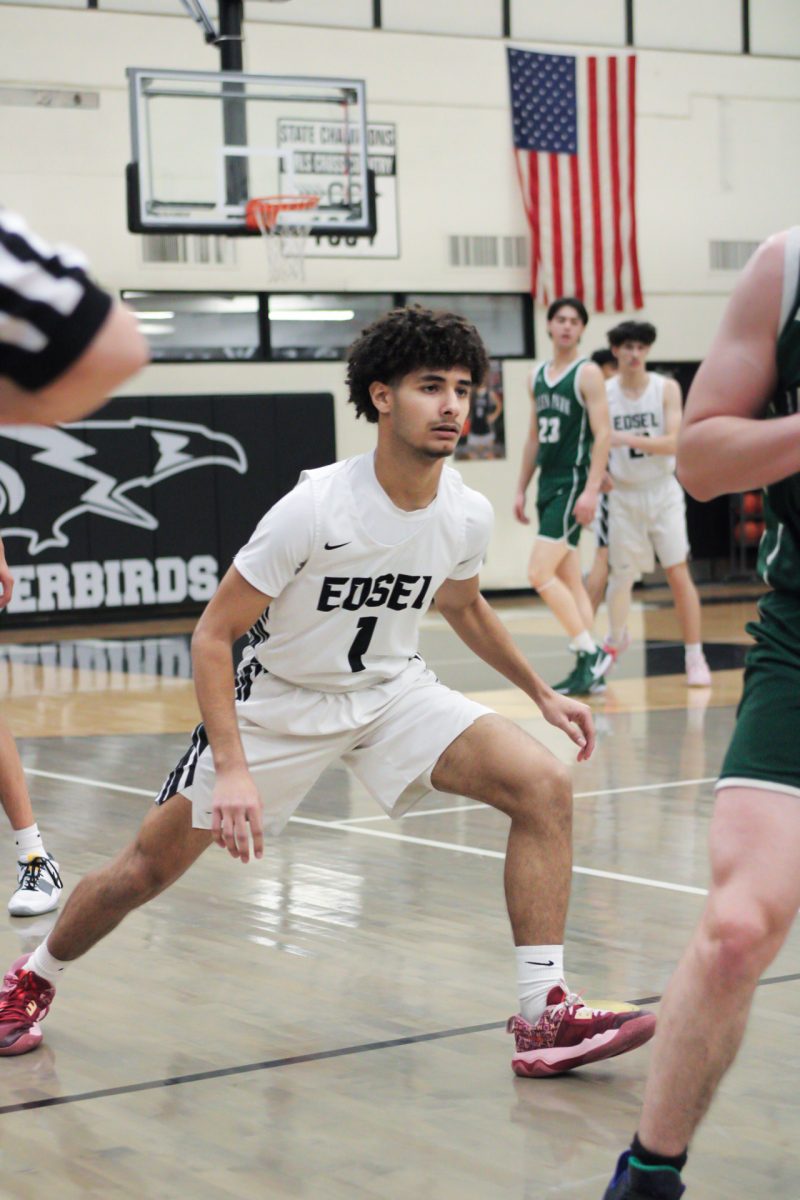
(496, 762)
(755, 894)
(569, 572)
(542, 573)
(687, 602)
(164, 848)
(619, 603)
(13, 788)
(597, 578)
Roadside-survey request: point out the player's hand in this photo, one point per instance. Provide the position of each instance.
(574, 718)
(620, 439)
(6, 583)
(236, 815)
(519, 509)
(586, 507)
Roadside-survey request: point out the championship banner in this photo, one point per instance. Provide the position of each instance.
(143, 505)
(319, 167)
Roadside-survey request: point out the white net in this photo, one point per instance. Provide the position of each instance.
(285, 232)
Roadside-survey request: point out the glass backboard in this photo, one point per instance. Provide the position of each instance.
(204, 143)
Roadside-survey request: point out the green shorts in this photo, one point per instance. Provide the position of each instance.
(765, 748)
(555, 504)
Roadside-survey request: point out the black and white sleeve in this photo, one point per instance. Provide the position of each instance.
(50, 309)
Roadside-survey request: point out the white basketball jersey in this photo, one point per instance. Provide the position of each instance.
(644, 417)
(349, 618)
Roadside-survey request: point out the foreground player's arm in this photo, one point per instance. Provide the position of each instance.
(593, 389)
(667, 443)
(116, 353)
(479, 627)
(65, 344)
(236, 606)
(6, 578)
(723, 446)
(529, 452)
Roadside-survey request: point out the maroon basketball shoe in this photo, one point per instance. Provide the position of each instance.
(25, 1000)
(569, 1035)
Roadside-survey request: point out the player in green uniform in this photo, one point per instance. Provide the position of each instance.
(568, 440)
(752, 371)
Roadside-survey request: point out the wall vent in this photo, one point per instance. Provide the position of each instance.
(487, 250)
(730, 256)
(188, 249)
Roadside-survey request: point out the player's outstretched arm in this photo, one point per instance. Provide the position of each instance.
(723, 446)
(236, 803)
(116, 353)
(593, 389)
(479, 627)
(530, 451)
(6, 578)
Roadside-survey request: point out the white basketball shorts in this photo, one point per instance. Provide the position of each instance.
(642, 521)
(390, 736)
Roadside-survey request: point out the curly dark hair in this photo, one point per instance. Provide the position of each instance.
(406, 340)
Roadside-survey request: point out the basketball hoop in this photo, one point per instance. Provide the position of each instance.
(285, 242)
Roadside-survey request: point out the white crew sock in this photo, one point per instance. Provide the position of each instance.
(585, 641)
(539, 968)
(42, 963)
(693, 650)
(28, 841)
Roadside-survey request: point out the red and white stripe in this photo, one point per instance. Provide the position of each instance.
(582, 208)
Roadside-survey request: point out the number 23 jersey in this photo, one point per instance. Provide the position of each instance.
(351, 575)
(565, 434)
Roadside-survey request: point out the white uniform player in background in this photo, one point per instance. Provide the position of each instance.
(647, 510)
(332, 587)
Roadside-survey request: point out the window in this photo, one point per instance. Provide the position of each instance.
(321, 325)
(307, 327)
(197, 327)
(504, 322)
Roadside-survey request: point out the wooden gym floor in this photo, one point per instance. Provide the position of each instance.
(329, 1023)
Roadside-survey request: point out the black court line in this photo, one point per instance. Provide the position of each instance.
(295, 1060)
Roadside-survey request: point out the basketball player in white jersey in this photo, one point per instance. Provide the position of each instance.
(332, 587)
(647, 510)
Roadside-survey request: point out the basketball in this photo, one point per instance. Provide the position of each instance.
(749, 532)
(752, 504)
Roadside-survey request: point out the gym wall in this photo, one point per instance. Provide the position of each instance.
(716, 162)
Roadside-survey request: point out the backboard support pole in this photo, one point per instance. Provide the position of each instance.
(234, 116)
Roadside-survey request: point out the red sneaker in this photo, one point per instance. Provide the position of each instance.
(25, 1000)
(569, 1035)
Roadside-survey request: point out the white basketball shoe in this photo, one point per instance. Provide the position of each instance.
(39, 886)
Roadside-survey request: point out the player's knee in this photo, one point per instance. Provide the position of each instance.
(540, 578)
(542, 795)
(146, 874)
(621, 579)
(742, 937)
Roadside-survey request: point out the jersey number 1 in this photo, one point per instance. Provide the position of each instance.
(355, 655)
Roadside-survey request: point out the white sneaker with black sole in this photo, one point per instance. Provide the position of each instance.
(39, 886)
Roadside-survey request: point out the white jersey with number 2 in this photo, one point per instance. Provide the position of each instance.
(352, 575)
(643, 416)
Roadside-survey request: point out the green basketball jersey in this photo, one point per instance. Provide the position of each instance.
(565, 435)
(779, 552)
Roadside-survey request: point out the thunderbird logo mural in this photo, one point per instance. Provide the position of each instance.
(97, 467)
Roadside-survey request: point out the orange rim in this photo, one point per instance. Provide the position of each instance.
(262, 212)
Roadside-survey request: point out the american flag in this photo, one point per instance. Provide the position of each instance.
(574, 123)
